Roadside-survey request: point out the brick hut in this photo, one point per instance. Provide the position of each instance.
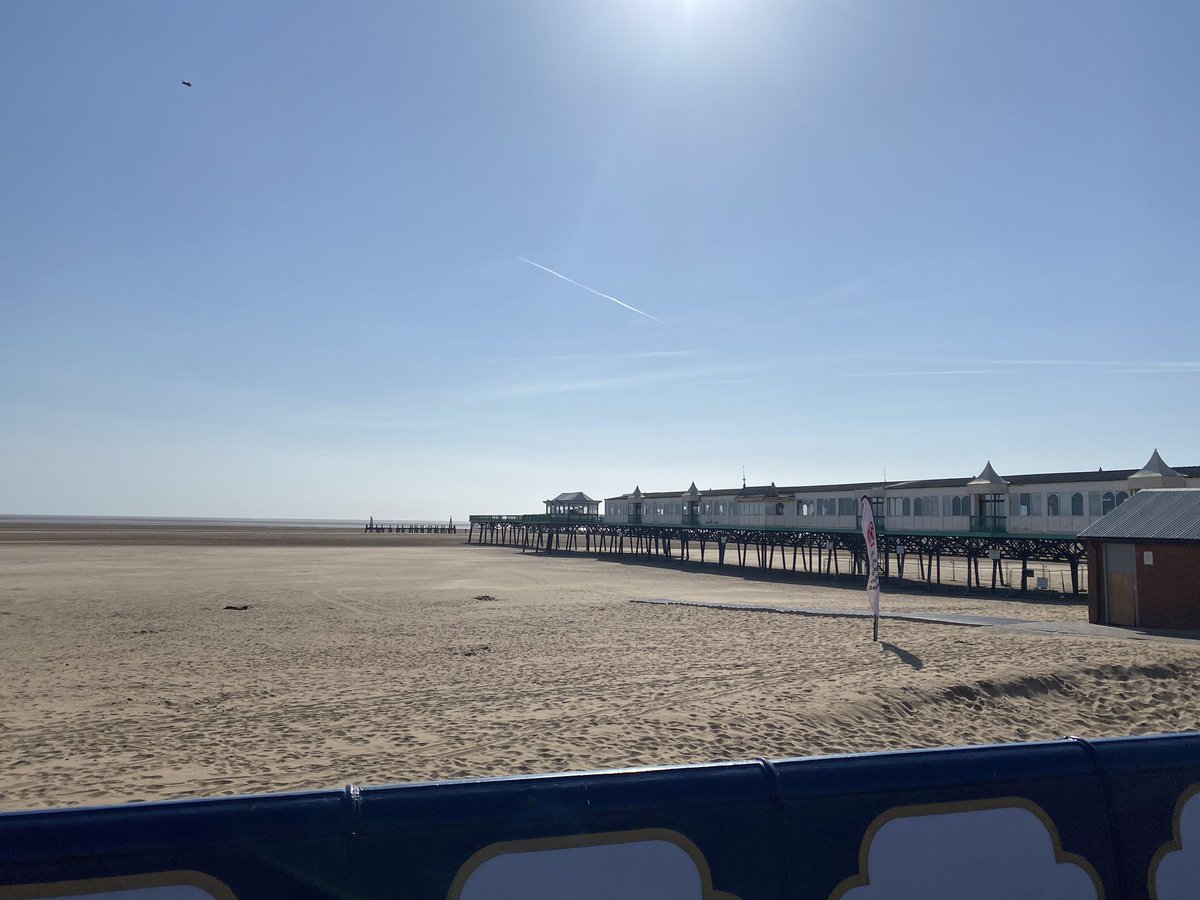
(1144, 561)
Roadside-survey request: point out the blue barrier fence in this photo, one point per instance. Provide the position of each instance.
(1117, 818)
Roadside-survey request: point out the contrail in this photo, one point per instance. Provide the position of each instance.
(588, 289)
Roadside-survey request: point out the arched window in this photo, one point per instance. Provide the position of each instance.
(967, 505)
(907, 507)
(1052, 505)
(1109, 502)
(1077, 504)
(918, 507)
(1122, 497)
(956, 506)
(779, 509)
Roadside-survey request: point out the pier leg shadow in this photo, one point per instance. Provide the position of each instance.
(905, 656)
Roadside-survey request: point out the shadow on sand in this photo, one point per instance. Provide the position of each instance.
(910, 658)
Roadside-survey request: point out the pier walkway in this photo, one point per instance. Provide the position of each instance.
(815, 551)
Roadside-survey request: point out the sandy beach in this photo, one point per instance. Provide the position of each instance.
(384, 658)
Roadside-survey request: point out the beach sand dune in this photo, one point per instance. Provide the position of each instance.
(125, 676)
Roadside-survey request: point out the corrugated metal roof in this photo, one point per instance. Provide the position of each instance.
(573, 497)
(1169, 514)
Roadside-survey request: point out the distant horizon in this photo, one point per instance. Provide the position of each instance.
(535, 507)
(63, 518)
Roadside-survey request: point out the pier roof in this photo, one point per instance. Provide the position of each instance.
(573, 497)
(1034, 478)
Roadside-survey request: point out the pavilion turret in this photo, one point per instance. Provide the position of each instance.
(991, 499)
(572, 504)
(691, 506)
(987, 482)
(1156, 474)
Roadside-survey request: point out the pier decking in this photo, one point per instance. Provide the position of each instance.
(373, 527)
(814, 551)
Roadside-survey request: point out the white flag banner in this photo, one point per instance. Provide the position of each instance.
(868, 530)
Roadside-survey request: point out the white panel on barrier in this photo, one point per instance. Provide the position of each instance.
(635, 865)
(1175, 871)
(987, 850)
(152, 886)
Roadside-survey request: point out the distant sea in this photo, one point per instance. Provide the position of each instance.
(210, 522)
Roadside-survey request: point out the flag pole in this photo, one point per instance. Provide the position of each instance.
(871, 539)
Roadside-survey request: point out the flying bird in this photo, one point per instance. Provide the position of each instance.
(186, 83)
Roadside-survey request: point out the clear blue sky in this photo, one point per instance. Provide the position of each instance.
(870, 234)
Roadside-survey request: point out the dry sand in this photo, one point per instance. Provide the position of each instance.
(369, 659)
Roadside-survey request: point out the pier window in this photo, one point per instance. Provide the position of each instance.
(907, 507)
(956, 507)
(919, 506)
(1121, 497)
(1052, 505)
(934, 504)
(1029, 505)
(1108, 503)
(846, 506)
(1077, 504)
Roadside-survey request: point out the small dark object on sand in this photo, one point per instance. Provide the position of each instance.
(487, 597)
(247, 606)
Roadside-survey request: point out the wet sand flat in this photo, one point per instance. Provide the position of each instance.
(374, 661)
